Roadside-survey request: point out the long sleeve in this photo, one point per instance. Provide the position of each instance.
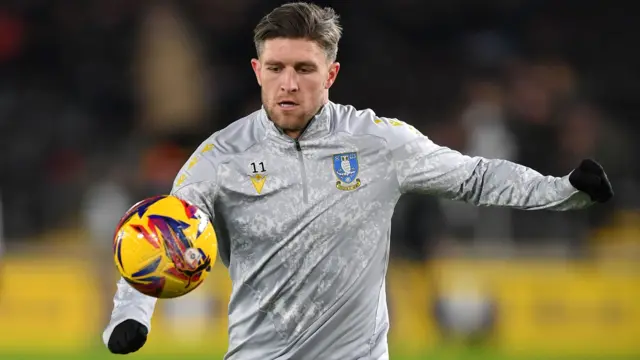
(195, 183)
(423, 166)
(128, 303)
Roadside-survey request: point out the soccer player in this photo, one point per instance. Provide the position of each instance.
(301, 194)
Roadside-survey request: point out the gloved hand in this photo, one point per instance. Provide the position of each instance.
(127, 337)
(589, 177)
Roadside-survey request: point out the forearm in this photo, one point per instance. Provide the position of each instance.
(128, 303)
(504, 183)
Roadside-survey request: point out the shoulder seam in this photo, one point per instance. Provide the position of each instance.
(214, 181)
(259, 141)
(363, 135)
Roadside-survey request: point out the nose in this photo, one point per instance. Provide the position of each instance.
(289, 81)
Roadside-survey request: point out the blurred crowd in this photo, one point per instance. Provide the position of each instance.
(102, 101)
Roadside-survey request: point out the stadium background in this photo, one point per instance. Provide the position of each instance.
(101, 101)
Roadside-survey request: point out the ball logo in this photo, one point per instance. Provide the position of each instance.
(192, 258)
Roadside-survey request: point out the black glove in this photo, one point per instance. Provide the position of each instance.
(127, 337)
(590, 178)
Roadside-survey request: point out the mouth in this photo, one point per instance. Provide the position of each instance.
(287, 104)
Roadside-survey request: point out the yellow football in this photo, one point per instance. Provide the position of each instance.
(164, 247)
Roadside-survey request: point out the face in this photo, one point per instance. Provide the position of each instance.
(295, 76)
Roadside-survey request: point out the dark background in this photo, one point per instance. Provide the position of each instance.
(108, 98)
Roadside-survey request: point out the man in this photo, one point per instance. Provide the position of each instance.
(301, 193)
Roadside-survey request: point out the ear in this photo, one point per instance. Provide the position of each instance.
(334, 68)
(257, 69)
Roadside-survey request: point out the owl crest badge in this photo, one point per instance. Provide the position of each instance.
(346, 167)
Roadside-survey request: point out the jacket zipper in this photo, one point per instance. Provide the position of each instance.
(305, 195)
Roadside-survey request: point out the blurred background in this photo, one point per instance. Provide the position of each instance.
(102, 101)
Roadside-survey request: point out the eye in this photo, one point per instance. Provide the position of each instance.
(273, 68)
(306, 70)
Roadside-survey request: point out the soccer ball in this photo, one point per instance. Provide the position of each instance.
(164, 247)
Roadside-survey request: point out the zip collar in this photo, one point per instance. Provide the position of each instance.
(319, 126)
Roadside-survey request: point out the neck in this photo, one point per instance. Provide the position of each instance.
(295, 134)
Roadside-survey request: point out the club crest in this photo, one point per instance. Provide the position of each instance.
(345, 166)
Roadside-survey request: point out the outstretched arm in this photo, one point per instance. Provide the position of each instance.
(424, 166)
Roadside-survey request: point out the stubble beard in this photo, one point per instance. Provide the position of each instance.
(292, 123)
(288, 124)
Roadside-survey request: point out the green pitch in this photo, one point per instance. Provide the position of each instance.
(447, 354)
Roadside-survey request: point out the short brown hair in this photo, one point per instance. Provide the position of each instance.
(301, 20)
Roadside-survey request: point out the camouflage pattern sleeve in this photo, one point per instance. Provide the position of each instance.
(196, 182)
(423, 166)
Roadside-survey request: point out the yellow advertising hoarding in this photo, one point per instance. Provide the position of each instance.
(542, 307)
(555, 307)
(47, 303)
